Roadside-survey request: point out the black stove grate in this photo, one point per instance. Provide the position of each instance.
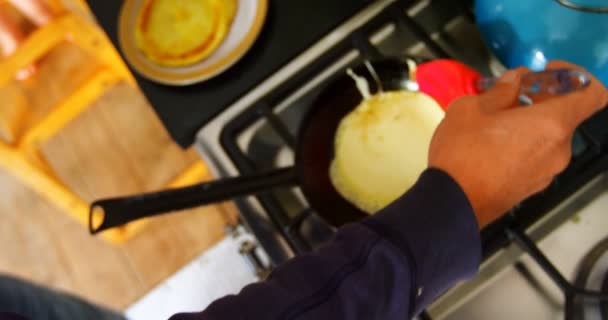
(263, 109)
(573, 292)
(588, 145)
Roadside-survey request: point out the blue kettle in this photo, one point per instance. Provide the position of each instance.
(532, 32)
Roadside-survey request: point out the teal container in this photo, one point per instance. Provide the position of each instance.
(532, 32)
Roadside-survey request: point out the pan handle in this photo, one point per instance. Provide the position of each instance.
(109, 213)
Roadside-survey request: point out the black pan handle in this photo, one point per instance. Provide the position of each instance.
(109, 213)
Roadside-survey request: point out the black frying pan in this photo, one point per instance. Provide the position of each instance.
(314, 153)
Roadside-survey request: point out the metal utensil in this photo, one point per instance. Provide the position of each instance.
(554, 82)
(543, 83)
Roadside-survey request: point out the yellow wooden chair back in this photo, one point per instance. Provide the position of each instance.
(23, 159)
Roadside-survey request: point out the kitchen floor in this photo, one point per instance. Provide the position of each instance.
(117, 146)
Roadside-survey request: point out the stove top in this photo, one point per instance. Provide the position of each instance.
(533, 277)
(258, 132)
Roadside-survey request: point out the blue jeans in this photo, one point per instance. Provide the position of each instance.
(34, 302)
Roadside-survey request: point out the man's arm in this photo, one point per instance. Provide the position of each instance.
(386, 267)
(489, 153)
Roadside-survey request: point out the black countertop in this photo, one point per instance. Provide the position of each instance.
(290, 28)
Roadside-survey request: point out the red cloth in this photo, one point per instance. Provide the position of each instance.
(446, 80)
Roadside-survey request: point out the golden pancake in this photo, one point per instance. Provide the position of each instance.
(381, 147)
(179, 33)
(230, 7)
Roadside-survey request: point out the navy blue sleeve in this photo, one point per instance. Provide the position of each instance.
(389, 266)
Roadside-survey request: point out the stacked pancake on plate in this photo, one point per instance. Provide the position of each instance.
(182, 32)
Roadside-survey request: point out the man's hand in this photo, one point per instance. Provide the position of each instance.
(501, 153)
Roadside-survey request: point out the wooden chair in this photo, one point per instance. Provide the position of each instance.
(23, 158)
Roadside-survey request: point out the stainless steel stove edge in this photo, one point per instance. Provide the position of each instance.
(493, 267)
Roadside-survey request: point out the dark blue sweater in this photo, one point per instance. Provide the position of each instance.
(388, 266)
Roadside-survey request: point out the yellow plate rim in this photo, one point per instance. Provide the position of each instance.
(168, 76)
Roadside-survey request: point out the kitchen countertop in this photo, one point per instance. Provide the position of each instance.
(290, 28)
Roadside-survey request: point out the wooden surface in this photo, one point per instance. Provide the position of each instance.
(117, 146)
(44, 245)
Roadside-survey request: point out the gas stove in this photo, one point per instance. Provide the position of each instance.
(517, 278)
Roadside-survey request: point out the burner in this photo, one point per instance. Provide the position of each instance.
(593, 275)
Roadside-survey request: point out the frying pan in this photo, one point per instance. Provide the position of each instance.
(313, 156)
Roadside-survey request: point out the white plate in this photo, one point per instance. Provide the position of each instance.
(245, 28)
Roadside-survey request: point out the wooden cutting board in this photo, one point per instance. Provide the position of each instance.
(116, 147)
